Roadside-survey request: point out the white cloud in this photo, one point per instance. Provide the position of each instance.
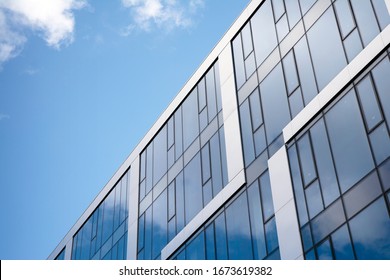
(52, 19)
(163, 14)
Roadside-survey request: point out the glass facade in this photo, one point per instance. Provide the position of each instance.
(274, 74)
(104, 234)
(341, 197)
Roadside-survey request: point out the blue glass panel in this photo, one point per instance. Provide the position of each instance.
(193, 188)
(256, 115)
(297, 184)
(384, 172)
(149, 168)
(171, 156)
(365, 19)
(326, 48)
(314, 200)
(211, 95)
(108, 221)
(180, 219)
(368, 101)
(246, 132)
(238, 230)
(141, 232)
(275, 255)
(326, 171)
(382, 82)
(307, 239)
(344, 17)
(306, 5)
(220, 237)
(142, 165)
(278, 8)
(352, 45)
(256, 220)
(196, 249)
(202, 94)
(247, 40)
(203, 120)
(206, 171)
(305, 70)
(190, 119)
(266, 196)
(178, 133)
(381, 12)
(171, 229)
(210, 243)
(207, 193)
(271, 235)
(370, 232)
(342, 244)
(171, 132)
(290, 72)
(171, 200)
(324, 251)
(328, 221)
(238, 62)
(293, 12)
(380, 143)
(275, 105)
(216, 170)
(148, 234)
(260, 142)
(349, 141)
(308, 169)
(310, 255)
(264, 34)
(282, 27)
(218, 86)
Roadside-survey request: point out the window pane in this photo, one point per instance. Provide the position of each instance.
(306, 159)
(297, 183)
(306, 5)
(326, 48)
(180, 219)
(216, 170)
(206, 172)
(148, 234)
(275, 105)
(370, 232)
(352, 45)
(384, 172)
(282, 27)
(220, 237)
(296, 102)
(366, 20)
(381, 12)
(380, 143)
(324, 251)
(190, 119)
(171, 200)
(201, 94)
(307, 239)
(178, 133)
(293, 12)
(108, 221)
(342, 244)
(171, 134)
(141, 231)
(211, 96)
(160, 159)
(193, 188)
(246, 132)
(171, 229)
(305, 70)
(256, 220)
(210, 243)
(260, 143)
(250, 65)
(238, 230)
(160, 224)
(344, 17)
(326, 171)
(238, 61)
(310, 255)
(256, 115)
(266, 196)
(313, 198)
(290, 72)
(263, 29)
(382, 82)
(272, 237)
(362, 194)
(207, 193)
(247, 39)
(278, 8)
(328, 221)
(369, 103)
(348, 141)
(196, 249)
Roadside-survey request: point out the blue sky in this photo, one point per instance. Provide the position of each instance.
(81, 82)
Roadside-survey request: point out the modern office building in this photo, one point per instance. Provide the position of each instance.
(277, 147)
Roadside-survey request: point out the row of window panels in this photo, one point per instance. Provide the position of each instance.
(106, 225)
(340, 37)
(244, 229)
(343, 146)
(198, 110)
(185, 196)
(340, 149)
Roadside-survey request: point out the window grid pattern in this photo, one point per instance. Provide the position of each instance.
(340, 170)
(183, 168)
(104, 234)
(244, 229)
(303, 71)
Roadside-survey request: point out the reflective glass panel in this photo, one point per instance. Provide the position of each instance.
(324, 251)
(271, 235)
(344, 17)
(293, 12)
(160, 159)
(160, 224)
(380, 143)
(308, 169)
(342, 244)
(366, 20)
(255, 106)
(314, 200)
(246, 132)
(370, 232)
(381, 77)
(210, 242)
(196, 249)
(238, 61)
(220, 237)
(190, 119)
(193, 188)
(266, 196)
(352, 45)
(290, 72)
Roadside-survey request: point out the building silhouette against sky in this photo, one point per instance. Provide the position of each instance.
(277, 147)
